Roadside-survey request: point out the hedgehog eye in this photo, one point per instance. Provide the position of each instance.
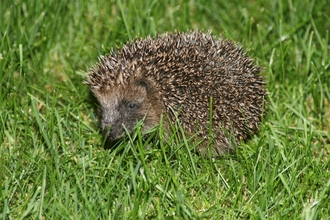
(131, 106)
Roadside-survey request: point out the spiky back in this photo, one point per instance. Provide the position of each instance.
(189, 69)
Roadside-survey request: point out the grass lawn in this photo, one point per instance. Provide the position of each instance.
(53, 166)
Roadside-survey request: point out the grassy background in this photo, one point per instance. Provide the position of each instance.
(52, 164)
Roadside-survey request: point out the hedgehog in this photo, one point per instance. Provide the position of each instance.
(182, 75)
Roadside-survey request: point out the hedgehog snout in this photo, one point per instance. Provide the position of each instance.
(112, 134)
(114, 128)
(111, 123)
(113, 131)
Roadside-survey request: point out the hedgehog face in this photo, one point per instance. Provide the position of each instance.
(125, 105)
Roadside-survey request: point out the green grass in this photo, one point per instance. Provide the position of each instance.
(53, 166)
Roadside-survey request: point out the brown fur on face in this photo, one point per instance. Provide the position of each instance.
(125, 104)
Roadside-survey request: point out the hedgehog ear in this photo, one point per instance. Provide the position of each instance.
(144, 84)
